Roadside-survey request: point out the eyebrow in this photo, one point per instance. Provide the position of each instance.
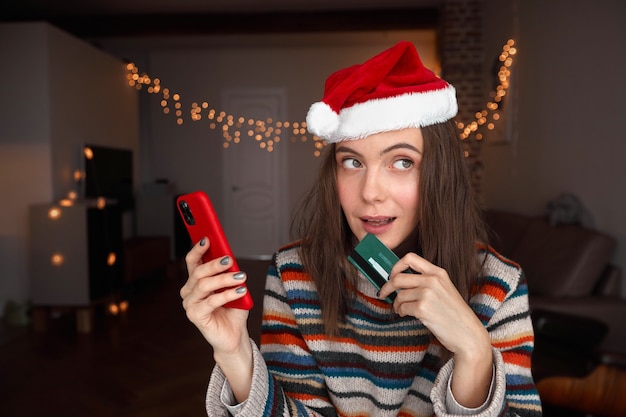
(401, 145)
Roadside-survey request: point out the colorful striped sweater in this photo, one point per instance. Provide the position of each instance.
(381, 364)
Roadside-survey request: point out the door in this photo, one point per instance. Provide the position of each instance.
(255, 218)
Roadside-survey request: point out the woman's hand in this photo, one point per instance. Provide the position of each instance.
(431, 297)
(204, 294)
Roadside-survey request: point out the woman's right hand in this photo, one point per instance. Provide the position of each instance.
(224, 328)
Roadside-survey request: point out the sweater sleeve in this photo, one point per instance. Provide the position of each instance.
(502, 306)
(219, 391)
(286, 380)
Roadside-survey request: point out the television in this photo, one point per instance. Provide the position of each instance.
(108, 172)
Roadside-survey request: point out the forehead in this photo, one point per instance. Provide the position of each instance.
(380, 142)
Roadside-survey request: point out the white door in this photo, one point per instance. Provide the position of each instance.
(255, 218)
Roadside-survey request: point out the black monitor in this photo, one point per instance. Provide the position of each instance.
(108, 172)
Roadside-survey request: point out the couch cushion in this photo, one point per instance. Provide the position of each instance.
(564, 260)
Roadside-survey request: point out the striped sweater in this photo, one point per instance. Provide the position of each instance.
(381, 364)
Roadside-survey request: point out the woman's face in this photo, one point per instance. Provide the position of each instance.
(378, 183)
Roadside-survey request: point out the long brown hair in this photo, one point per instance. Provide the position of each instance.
(449, 228)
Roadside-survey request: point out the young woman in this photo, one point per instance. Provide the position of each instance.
(458, 337)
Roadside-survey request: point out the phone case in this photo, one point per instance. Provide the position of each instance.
(201, 220)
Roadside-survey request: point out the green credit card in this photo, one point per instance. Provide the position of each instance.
(375, 261)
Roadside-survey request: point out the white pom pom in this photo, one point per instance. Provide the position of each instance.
(322, 121)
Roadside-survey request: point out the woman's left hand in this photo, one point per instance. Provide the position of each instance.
(430, 296)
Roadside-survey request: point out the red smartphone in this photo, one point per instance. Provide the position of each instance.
(201, 220)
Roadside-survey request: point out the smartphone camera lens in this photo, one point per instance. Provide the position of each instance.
(184, 208)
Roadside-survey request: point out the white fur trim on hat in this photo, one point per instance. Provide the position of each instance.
(383, 115)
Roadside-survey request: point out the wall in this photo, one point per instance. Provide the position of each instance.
(568, 132)
(58, 93)
(24, 144)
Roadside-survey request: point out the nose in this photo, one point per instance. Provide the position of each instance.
(373, 186)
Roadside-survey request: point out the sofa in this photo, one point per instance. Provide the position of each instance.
(574, 291)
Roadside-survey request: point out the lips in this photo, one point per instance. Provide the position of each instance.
(377, 225)
(378, 221)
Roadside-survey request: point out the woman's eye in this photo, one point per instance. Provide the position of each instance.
(403, 164)
(351, 163)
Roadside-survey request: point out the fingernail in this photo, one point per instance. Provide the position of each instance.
(240, 290)
(239, 275)
(224, 260)
(203, 241)
(378, 294)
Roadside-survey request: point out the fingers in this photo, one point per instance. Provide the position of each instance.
(212, 293)
(416, 263)
(209, 278)
(194, 256)
(419, 286)
(407, 273)
(202, 284)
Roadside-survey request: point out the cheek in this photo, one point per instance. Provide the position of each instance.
(346, 193)
(408, 198)
(342, 191)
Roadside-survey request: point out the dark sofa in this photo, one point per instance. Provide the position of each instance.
(574, 290)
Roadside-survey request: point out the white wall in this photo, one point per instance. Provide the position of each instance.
(57, 93)
(569, 126)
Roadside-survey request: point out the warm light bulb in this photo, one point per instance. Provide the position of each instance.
(54, 213)
(101, 203)
(66, 202)
(88, 152)
(113, 309)
(57, 259)
(111, 259)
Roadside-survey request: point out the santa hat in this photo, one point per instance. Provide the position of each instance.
(390, 91)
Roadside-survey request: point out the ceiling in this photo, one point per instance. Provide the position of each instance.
(147, 17)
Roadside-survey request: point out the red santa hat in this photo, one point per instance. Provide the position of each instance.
(390, 91)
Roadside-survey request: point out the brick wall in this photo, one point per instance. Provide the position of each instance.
(462, 57)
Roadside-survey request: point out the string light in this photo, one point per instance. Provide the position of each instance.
(54, 213)
(486, 118)
(268, 132)
(57, 259)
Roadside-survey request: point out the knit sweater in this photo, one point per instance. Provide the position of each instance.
(380, 364)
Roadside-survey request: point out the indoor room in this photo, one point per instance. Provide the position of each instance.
(112, 111)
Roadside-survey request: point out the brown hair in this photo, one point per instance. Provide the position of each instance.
(449, 228)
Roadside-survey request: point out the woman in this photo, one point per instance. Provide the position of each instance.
(457, 339)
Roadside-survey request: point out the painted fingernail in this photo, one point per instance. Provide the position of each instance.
(240, 290)
(203, 241)
(224, 260)
(239, 275)
(378, 294)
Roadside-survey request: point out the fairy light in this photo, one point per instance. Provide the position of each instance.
(487, 118)
(269, 132)
(54, 213)
(57, 259)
